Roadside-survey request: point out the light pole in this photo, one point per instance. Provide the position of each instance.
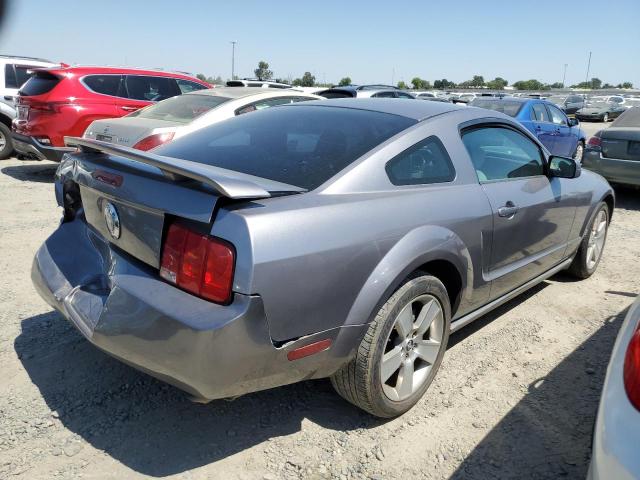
(233, 59)
(564, 75)
(586, 80)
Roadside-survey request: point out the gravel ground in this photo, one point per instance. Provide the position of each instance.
(515, 398)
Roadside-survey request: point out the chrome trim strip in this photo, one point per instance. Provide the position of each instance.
(470, 317)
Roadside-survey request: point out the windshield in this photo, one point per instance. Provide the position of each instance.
(298, 145)
(503, 106)
(180, 109)
(598, 104)
(557, 99)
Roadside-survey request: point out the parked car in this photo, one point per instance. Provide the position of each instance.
(353, 92)
(14, 72)
(431, 96)
(561, 135)
(614, 152)
(63, 101)
(311, 215)
(599, 110)
(569, 104)
(254, 82)
(616, 435)
(183, 114)
(464, 98)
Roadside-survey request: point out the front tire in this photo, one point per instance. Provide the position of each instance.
(401, 351)
(6, 144)
(590, 251)
(605, 117)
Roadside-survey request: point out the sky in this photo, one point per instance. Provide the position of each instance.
(369, 41)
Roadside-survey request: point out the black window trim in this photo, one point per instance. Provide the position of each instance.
(417, 146)
(290, 97)
(483, 123)
(123, 84)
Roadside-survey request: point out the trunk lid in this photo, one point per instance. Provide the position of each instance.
(622, 143)
(145, 190)
(128, 131)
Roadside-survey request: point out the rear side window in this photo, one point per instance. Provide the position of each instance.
(298, 145)
(385, 95)
(186, 86)
(104, 84)
(424, 163)
(39, 84)
(539, 113)
(500, 153)
(21, 75)
(10, 80)
(181, 109)
(151, 89)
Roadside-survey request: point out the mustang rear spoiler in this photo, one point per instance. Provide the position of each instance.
(227, 183)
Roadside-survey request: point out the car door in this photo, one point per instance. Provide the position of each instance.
(532, 213)
(542, 126)
(564, 141)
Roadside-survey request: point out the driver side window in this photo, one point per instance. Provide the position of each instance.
(557, 116)
(500, 153)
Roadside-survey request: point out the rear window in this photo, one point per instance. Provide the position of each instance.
(39, 84)
(630, 118)
(181, 109)
(186, 86)
(302, 145)
(509, 108)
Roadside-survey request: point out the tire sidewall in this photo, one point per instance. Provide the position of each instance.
(8, 148)
(583, 255)
(410, 290)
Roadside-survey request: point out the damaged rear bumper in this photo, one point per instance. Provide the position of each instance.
(209, 350)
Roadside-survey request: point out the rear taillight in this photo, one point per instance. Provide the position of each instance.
(595, 142)
(154, 140)
(631, 370)
(200, 264)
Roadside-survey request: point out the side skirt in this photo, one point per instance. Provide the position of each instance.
(470, 317)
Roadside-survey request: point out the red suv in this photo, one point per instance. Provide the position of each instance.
(63, 101)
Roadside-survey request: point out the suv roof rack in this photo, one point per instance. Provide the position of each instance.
(21, 57)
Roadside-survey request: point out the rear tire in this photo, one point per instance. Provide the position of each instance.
(605, 117)
(577, 155)
(401, 351)
(590, 251)
(6, 144)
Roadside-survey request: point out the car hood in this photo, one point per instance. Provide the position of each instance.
(128, 131)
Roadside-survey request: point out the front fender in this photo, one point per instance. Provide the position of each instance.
(417, 247)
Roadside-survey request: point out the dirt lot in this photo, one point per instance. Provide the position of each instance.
(515, 398)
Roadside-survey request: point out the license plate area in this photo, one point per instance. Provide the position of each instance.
(104, 138)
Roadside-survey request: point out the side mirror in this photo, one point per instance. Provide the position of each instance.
(564, 167)
(573, 122)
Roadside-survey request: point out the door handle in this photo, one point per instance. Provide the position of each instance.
(129, 109)
(509, 210)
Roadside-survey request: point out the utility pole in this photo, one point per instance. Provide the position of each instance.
(586, 80)
(393, 75)
(233, 59)
(564, 75)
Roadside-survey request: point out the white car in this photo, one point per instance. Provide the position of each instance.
(14, 72)
(177, 116)
(254, 82)
(616, 437)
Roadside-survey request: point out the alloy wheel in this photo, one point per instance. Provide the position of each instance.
(605, 117)
(3, 140)
(412, 347)
(597, 237)
(579, 152)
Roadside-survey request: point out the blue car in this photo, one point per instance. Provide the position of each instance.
(561, 135)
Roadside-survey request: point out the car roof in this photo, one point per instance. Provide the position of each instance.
(239, 92)
(415, 110)
(88, 69)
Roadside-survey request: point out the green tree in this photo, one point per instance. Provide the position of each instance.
(263, 72)
(557, 85)
(420, 84)
(344, 82)
(532, 84)
(596, 83)
(444, 83)
(497, 83)
(477, 81)
(402, 85)
(307, 80)
(201, 76)
(625, 85)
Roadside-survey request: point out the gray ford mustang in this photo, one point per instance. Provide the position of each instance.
(343, 239)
